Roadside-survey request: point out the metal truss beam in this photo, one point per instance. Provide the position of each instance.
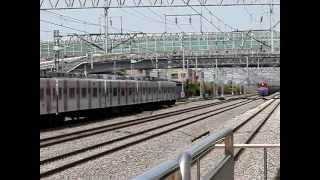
(88, 4)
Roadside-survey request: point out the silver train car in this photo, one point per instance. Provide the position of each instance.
(72, 96)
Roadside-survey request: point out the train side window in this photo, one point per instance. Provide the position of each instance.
(95, 92)
(71, 93)
(60, 93)
(41, 93)
(114, 91)
(100, 90)
(107, 91)
(83, 92)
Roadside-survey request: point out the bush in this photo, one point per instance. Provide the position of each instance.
(193, 89)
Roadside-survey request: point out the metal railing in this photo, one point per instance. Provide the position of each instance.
(180, 168)
(265, 148)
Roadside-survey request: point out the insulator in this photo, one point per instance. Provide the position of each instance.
(110, 22)
(190, 20)
(176, 20)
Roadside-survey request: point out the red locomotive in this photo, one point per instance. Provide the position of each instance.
(263, 88)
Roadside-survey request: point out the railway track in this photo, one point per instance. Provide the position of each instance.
(257, 126)
(78, 161)
(49, 141)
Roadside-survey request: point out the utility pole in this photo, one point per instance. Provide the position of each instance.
(157, 70)
(201, 20)
(222, 86)
(165, 23)
(183, 79)
(271, 27)
(114, 67)
(232, 82)
(56, 49)
(106, 29)
(216, 77)
(121, 31)
(245, 92)
(131, 67)
(91, 59)
(213, 83)
(200, 85)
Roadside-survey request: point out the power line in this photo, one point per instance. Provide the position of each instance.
(232, 28)
(49, 22)
(87, 22)
(205, 18)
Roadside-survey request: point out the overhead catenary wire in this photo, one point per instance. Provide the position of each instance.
(85, 22)
(67, 27)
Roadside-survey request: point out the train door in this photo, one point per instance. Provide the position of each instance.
(169, 91)
(130, 92)
(109, 93)
(42, 97)
(158, 91)
(114, 87)
(140, 92)
(71, 95)
(101, 94)
(165, 88)
(63, 95)
(149, 91)
(155, 90)
(95, 97)
(144, 91)
(105, 93)
(137, 96)
(84, 95)
(122, 85)
(152, 91)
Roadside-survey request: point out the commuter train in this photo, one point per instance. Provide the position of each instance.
(263, 89)
(75, 97)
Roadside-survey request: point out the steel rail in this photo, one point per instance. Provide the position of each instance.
(103, 153)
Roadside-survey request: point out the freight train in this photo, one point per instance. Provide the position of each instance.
(74, 97)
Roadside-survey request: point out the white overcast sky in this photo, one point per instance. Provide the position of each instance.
(152, 19)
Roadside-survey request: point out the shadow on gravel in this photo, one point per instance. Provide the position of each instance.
(100, 117)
